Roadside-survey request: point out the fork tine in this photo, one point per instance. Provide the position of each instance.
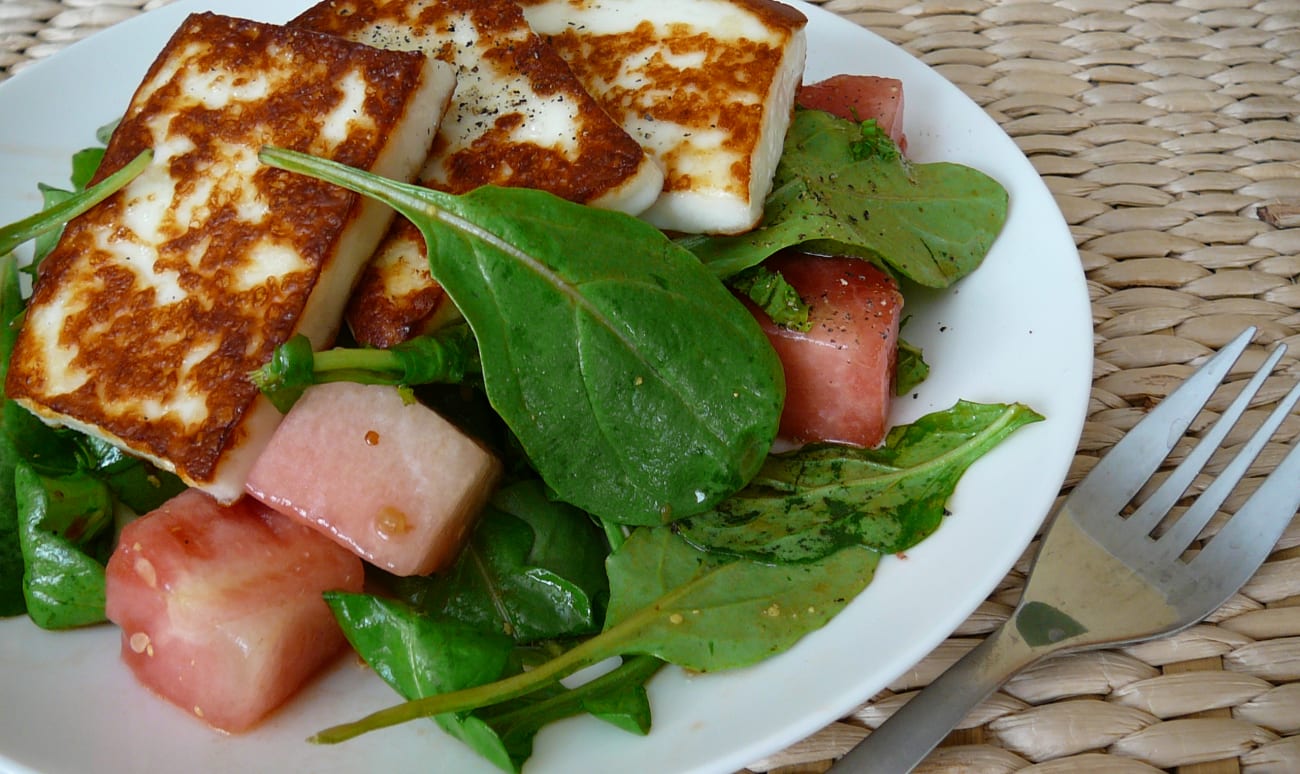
(1184, 531)
(1233, 555)
(1131, 461)
(1155, 507)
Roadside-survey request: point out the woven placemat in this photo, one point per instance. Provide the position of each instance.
(1169, 133)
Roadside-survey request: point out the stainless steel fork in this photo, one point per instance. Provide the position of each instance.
(1101, 576)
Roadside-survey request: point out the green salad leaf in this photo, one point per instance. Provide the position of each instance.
(66, 208)
(639, 387)
(675, 603)
(533, 569)
(931, 223)
(61, 521)
(446, 357)
(420, 655)
(910, 368)
(808, 504)
(12, 601)
(707, 612)
(770, 292)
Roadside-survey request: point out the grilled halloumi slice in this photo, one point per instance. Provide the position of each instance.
(707, 86)
(154, 306)
(518, 118)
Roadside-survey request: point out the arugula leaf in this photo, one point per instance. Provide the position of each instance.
(532, 569)
(701, 611)
(808, 504)
(622, 700)
(618, 697)
(52, 218)
(638, 386)
(910, 369)
(44, 242)
(85, 163)
(875, 142)
(931, 223)
(60, 520)
(776, 297)
(708, 612)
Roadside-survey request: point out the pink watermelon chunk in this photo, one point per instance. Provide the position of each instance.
(220, 606)
(390, 479)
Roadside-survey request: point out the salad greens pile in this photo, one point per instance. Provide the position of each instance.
(643, 521)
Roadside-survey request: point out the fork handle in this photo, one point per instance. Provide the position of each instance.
(906, 737)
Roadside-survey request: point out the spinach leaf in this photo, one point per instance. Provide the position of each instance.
(141, 486)
(932, 223)
(22, 436)
(532, 569)
(565, 540)
(60, 521)
(668, 600)
(638, 386)
(419, 655)
(808, 504)
(11, 560)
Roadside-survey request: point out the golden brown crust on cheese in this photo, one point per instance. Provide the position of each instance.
(702, 95)
(606, 156)
(158, 345)
(508, 75)
(396, 298)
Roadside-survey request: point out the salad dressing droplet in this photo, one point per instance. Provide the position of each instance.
(372, 438)
(391, 523)
(139, 643)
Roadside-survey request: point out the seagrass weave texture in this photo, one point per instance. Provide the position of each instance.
(1169, 134)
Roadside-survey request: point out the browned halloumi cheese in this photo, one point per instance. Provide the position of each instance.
(707, 86)
(518, 118)
(154, 306)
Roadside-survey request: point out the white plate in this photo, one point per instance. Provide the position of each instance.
(1019, 329)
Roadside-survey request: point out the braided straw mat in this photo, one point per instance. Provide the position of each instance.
(1169, 133)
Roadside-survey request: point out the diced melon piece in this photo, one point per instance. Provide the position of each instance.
(839, 374)
(388, 478)
(220, 606)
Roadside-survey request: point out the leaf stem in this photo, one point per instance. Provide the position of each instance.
(55, 216)
(634, 670)
(585, 654)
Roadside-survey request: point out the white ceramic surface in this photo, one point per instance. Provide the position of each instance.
(1019, 329)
